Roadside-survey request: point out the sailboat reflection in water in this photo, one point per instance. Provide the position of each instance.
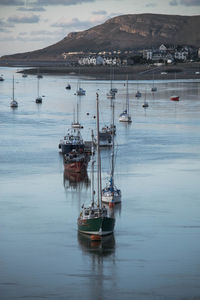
(96, 220)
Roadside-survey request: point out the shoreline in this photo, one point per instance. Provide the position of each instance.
(136, 72)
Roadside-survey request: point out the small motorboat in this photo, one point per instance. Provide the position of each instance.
(68, 87)
(80, 92)
(13, 104)
(138, 94)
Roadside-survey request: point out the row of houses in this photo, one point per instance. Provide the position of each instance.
(169, 54)
(117, 58)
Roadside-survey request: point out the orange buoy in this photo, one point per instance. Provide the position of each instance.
(95, 237)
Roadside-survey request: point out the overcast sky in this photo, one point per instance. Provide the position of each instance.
(28, 25)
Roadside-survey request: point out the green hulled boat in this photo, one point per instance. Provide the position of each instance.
(96, 219)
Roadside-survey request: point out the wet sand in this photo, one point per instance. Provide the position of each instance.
(135, 72)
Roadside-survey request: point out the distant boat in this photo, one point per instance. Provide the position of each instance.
(112, 91)
(111, 194)
(95, 219)
(145, 104)
(24, 75)
(154, 88)
(138, 94)
(174, 98)
(13, 103)
(1, 78)
(68, 87)
(125, 116)
(39, 98)
(80, 91)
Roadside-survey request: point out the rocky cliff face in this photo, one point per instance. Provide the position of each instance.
(124, 33)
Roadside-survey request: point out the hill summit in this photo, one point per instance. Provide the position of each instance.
(126, 32)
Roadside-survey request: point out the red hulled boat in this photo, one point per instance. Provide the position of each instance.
(174, 98)
(76, 161)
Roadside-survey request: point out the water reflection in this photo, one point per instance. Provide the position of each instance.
(115, 210)
(75, 180)
(97, 249)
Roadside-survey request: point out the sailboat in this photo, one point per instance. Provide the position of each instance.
(13, 103)
(145, 104)
(154, 88)
(124, 116)
(75, 123)
(38, 99)
(138, 94)
(175, 97)
(95, 219)
(110, 194)
(80, 91)
(113, 91)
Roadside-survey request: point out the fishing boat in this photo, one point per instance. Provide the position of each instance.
(13, 103)
(76, 161)
(72, 140)
(111, 194)
(125, 116)
(105, 138)
(39, 98)
(96, 220)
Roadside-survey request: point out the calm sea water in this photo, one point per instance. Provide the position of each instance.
(155, 250)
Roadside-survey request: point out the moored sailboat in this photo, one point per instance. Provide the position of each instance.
(75, 123)
(95, 219)
(111, 194)
(124, 116)
(39, 98)
(13, 103)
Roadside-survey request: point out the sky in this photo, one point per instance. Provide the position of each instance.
(28, 25)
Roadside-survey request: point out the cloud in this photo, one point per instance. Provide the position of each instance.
(4, 24)
(173, 3)
(61, 2)
(75, 23)
(99, 12)
(185, 2)
(31, 8)
(190, 2)
(151, 5)
(24, 19)
(11, 2)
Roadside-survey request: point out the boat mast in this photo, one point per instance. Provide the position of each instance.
(77, 114)
(92, 171)
(99, 192)
(13, 90)
(38, 87)
(127, 97)
(113, 145)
